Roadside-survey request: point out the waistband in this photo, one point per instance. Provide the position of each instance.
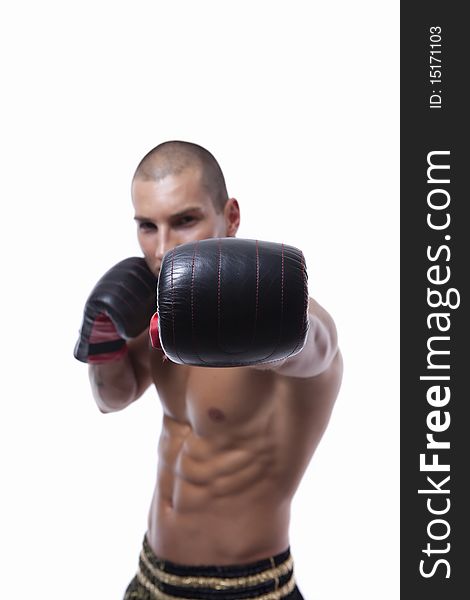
(268, 579)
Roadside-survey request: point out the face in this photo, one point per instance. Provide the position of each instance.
(176, 210)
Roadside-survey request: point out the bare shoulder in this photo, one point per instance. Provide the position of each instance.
(319, 389)
(315, 309)
(319, 349)
(309, 382)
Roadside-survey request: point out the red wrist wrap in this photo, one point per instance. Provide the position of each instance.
(153, 332)
(105, 343)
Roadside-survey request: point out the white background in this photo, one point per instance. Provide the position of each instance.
(299, 103)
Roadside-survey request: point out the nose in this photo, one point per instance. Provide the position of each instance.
(165, 243)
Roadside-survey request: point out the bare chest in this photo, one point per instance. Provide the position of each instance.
(215, 400)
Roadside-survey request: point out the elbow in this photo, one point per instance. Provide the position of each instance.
(107, 408)
(102, 406)
(111, 405)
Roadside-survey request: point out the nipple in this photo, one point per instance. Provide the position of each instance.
(216, 415)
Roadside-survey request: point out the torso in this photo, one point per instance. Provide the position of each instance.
(233, 447)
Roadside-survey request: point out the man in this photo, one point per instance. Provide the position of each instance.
(235, 441)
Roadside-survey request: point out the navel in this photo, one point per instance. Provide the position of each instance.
(216, 414)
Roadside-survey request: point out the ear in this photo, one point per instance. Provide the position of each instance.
(232, 217)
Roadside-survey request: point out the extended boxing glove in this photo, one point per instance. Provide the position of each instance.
(118, 308)
(226, 302)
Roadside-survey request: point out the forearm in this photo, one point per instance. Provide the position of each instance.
(118, 309)
(113, 384)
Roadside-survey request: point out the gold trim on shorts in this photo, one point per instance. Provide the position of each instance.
(278, 594)
(220, 583)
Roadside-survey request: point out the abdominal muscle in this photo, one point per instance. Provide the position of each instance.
(222, 494)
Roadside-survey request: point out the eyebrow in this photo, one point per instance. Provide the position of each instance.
(173, 216)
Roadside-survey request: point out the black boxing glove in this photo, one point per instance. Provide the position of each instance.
(118, 308)
(226, 302)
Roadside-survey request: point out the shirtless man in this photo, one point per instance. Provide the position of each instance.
(235, 441)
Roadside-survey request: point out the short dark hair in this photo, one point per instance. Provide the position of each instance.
(173, 157)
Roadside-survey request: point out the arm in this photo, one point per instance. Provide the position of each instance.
(114, 338)
(116, 384)
(242, 303)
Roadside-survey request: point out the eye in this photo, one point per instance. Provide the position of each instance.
(185, 221)
(146, 226)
